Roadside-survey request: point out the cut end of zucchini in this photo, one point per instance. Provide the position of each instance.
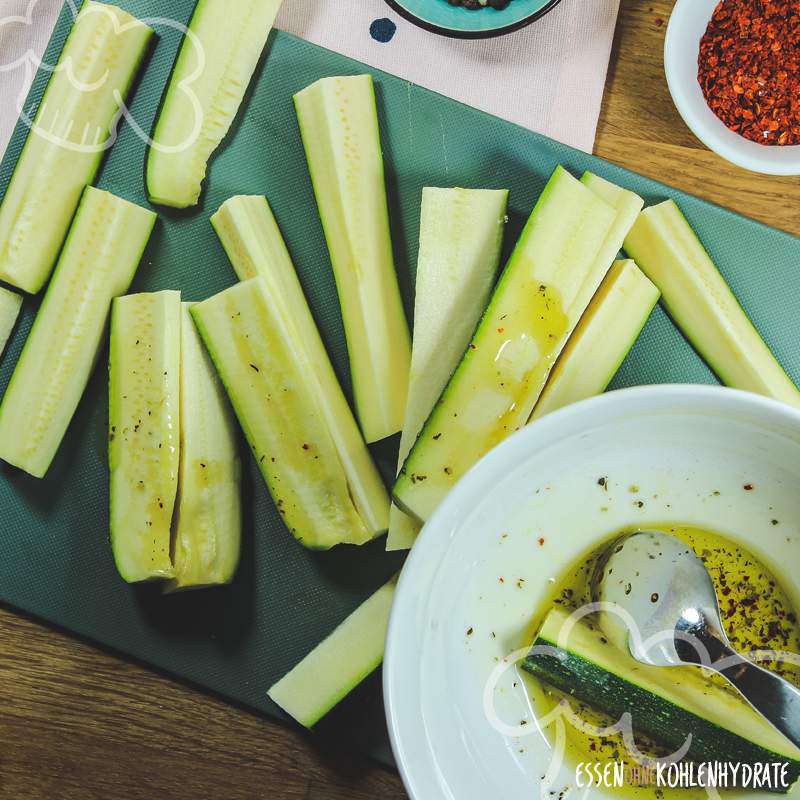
(338, 664)
(207, 526)
(601, 340)
(214, 68)
(339, 127)
(74, 125)
(270, 381)
(99, 259)
(144, 431)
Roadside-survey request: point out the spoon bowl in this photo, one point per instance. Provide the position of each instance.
(650, 584)
(657, 601)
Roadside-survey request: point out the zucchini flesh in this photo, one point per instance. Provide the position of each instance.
(101, 254)
(206, 533)
(502, 373)
(601, 340)
(75, 124)
(269, 379)
(144, 431)
(702, 304)
(667, 705)
(627, 206)
(339, 126)
(251, 238)
(213, 70)
(10, 305)
(460, 238)
(339, 663)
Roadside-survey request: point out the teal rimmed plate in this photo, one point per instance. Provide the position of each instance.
(463, 23)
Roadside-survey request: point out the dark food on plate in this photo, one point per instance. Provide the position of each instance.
(475, 4)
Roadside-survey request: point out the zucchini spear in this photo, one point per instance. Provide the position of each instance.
(10, 306)
(460, 236)
(144, 431)
(672, 707)
(75, 124)
(339, 125)
(212, 72)
(702, 304)
(566, 248)
(98, 261)
(206, 531)
(601, 340)
(251, 238)
(270, 381)
(339, 663)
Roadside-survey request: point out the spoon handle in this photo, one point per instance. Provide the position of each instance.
(775, 698)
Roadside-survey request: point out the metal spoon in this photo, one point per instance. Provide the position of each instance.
(666, 593)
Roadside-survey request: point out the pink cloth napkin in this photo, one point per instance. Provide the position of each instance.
(548, 77)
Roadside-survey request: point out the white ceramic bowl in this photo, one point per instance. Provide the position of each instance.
(524, 514)
(687, 25)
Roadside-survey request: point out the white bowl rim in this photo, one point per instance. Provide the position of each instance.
(691, 398)
(740, 154)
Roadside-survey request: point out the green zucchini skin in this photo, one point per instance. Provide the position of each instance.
(71, 131)
(103, 249)
(573, 670)
(204, 94)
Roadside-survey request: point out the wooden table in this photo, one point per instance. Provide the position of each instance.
(76, 722)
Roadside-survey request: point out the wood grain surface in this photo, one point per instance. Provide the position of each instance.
(77, 722)
(641, 129)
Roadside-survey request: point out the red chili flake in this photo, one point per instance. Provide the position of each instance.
(541, 541)
(748, 487)
(749, 68)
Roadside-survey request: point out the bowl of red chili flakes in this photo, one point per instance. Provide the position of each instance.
(733, 69)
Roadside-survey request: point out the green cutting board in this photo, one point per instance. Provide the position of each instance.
(55, 560)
